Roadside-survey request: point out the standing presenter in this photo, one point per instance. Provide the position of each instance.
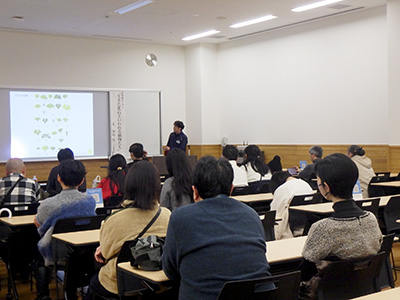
(177, 139)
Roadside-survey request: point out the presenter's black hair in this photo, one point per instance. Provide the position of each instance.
(178, 166)
(137, 150)
(116, 173)
(72, 172)
(277, 180)
(65, 154)
(340, 173)
(356, 150)
(179, 124)
(230, 152)
(254, 158)
(212, 177)
(142, 185)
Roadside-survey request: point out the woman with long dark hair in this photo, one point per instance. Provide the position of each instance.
(142, 192)
(177, 189)
(114, 183)
(257, 170)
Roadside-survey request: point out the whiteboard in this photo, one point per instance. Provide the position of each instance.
(135, 118)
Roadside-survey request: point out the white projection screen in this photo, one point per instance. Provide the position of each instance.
(37, 123)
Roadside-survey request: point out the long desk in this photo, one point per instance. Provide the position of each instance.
(18, 220)
(79, 238)
(326, 208)
(392, 294)
(387, 184)
(277, 252)
(255, 197)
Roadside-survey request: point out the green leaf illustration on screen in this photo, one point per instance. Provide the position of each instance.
(58, 105)
(59, 119)
(54, 132)
(43, 97)
(45, 148)
(57, 97)
(65, 96)
(37, 119)
(37, 106)
(50, 105)
(37, 131)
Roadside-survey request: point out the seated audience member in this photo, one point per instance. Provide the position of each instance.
(53, 186)
(257, 170)
(142, 188)
(308, 173)
(137, 153)
(113, 184)
(69, 203)
(285, 187)
(15, 188)
(349, 232)
(216, 239)
(177, 189)
(231, 153)
(275, 164)
(363, 163)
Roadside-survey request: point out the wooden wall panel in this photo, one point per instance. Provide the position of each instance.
(395, 159)
(42, 169)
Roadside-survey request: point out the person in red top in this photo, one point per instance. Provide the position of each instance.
(113, 184)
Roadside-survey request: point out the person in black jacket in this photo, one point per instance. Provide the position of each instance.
(53, 186)
(308, 174)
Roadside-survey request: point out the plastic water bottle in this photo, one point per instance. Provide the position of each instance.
(96, 181)
(34, 178)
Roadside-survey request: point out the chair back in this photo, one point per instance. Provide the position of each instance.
(351, 278)
(61, 250)
(115, 201)
(269, 224)
(371, 205)
(386, 275)
(160, 163)
(22, 209)
(286, 288)
(303, 200)
(391, 214)
(382, 174)
(245, 190)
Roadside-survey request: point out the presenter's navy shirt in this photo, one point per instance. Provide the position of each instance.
(179, 140)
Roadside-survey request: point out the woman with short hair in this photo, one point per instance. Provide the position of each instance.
(142, 188)
(349, 232)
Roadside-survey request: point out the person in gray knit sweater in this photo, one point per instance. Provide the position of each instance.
(349, 232)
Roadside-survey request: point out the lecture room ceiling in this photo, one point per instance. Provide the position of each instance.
(163, 21)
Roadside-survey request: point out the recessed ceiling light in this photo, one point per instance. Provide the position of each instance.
(200, 35)
(132, 6)
(254, 21)
(314, 5)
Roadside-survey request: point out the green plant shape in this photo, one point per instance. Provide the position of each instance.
(37, 106)
(65, 119)
(60, 130)
(66, 107)
(45, 148)
(37, 119)
(37, 96)
(52, 147)
(43, 97)
(54, 132)
(59, 119)
(45, 120)
(50, 96)
(61, 140)
(58, 105)
(37, 131)
(45, 136)
(65, 96)
(50, 105)
(57, 97)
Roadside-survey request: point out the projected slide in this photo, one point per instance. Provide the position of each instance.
(44, 122)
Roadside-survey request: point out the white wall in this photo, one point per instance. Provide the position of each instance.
(323, 82)
(30, 60)
(393, 20)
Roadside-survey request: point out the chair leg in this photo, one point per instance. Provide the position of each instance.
(394, 268)
(11, 284)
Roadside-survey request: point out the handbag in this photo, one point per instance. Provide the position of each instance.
(146, 253)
